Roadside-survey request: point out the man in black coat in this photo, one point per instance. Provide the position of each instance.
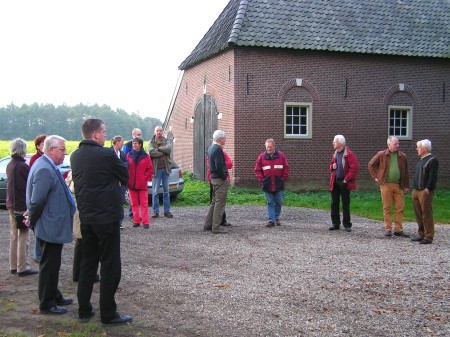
(98, 174)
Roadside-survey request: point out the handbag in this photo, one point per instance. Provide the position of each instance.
(18, 216)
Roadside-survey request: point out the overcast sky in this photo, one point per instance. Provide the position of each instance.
(124, 54)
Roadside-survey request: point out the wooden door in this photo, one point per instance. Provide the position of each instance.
(205, 123)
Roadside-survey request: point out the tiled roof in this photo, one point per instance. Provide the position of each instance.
(390, 27)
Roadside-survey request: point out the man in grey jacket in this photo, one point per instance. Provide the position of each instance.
(50, 213)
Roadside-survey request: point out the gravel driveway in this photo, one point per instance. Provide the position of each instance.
(299, 279)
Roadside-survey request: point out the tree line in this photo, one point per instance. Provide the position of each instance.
(28, 121)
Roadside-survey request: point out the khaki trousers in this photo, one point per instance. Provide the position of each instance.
(391, 193)
(217, 206)
(423, 209)
(19, 240)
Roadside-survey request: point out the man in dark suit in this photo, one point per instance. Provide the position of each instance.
(98, 173)
(50, 212)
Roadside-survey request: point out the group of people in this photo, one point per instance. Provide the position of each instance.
(94, 192)
(389, 168)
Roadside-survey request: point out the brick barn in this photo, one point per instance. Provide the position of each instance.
(303, 71)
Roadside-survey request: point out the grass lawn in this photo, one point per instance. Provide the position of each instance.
(364, 203)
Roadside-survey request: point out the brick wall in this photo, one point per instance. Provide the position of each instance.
(350, 94)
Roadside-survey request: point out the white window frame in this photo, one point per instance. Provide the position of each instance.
(308, 134)
(409, 117)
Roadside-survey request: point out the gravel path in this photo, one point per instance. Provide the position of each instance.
(299, 279)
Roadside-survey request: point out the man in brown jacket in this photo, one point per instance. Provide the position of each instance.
(389, 168)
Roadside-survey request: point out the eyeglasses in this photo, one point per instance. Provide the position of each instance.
(62, 149)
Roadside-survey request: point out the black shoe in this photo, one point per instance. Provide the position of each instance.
(348, 229)
(401, 234)
(119, 319)
(168, 215)
(64, 301)
(156, 215)
(387, 233)
(136, 225)
(334, 228)
(87, 319)
(14, 271)
(54, 311)
(27, 272)
(416, 239)
(146, 226)
(424, 242)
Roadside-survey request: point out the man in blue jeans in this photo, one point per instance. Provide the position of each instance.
(160, 150)
(272, 170)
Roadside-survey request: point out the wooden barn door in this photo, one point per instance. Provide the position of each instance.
(205, 123)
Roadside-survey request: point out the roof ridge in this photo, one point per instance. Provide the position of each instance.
(238, 21)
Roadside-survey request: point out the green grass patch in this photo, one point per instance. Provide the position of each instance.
(364, 203)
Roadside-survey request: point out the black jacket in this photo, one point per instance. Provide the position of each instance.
(16, 183)
(97, 173)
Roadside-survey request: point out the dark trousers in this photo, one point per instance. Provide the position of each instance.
(99, 243)
(211, 190)
(340, 191)
(76, 260)
(49, 274)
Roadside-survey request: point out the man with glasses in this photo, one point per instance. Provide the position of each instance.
(50, 213)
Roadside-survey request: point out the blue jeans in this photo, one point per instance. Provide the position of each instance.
(161, 176)
(274, 202)
(37, 253)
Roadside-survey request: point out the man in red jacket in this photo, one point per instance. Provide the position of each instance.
(272, 169)
(343, 167)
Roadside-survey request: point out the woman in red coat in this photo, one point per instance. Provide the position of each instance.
(141, 171)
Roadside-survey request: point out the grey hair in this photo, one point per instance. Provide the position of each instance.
(52, 141)
(18, 146)
(390, 139)
(218, 134)
(425, 143)
(340, 139)
(157, 127)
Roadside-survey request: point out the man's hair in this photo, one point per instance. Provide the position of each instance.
(51, 142)
(389, 140)
(90, 126)
(156, 128)
(133, 133)
(39, 139)
(425, 143)
(18, 146)
(340, 139)
(116, 139)
(271, 141)
(218, 134)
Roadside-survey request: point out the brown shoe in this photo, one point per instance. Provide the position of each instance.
(270, 224)
(278, 222)
(168, 215)
(154, 216)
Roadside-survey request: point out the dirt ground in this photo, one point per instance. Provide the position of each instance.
(298, 279)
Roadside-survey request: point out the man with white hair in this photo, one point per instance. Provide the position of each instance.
(389, 168)
(50, 213)
(219, 181)
(344, 167)
(425, 178)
